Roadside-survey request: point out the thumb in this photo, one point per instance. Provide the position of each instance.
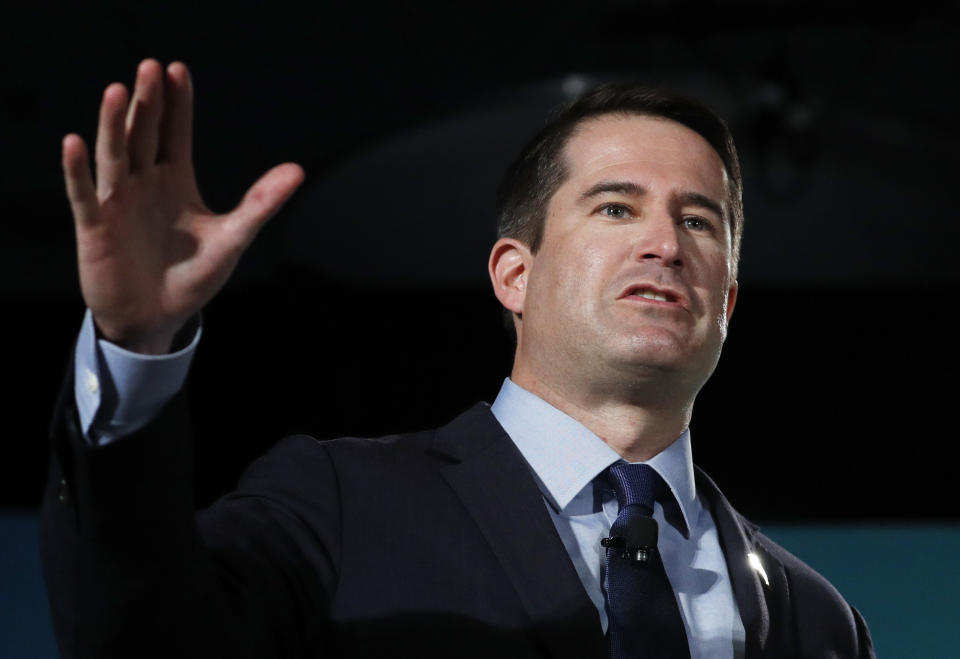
(264, 199)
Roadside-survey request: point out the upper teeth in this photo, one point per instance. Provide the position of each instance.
(650, 295)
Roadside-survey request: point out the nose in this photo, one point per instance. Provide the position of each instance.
(659, 239)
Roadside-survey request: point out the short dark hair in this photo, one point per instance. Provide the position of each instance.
(540, 169)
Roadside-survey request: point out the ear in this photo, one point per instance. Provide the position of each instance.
(509, 267)
(732, 299)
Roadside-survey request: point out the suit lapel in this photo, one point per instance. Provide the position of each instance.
(759, 581)
(495, 485)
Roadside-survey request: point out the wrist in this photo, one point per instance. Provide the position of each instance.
(158, 342)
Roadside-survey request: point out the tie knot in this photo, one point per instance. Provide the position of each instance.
(636, 484)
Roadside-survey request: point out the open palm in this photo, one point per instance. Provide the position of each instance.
(150, 253)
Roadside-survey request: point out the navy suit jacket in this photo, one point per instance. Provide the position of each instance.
(435, 543)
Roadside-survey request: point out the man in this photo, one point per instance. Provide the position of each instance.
(511, 531)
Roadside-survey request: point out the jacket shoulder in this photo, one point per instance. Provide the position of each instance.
(468, 433)
(823, 617)
(806, 610)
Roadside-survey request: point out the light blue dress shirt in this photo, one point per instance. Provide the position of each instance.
(118, 391)
(566, 458)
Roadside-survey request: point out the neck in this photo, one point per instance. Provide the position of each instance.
(637, 421)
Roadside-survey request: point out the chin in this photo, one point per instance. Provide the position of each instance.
(665, 352)
(658, 343)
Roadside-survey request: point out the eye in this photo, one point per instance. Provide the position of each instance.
(615, 211)
(697, 223)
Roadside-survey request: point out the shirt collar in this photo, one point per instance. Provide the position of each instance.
(565, 456)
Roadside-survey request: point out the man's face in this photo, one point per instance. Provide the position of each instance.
(633, 275)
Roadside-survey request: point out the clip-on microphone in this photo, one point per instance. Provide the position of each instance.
(639, 542)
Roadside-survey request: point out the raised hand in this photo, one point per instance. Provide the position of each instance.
(150, 253)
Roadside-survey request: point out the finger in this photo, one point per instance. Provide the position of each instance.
(111, 149)
(263, 200)
(176, 127)
(143, 115)
(76, 175)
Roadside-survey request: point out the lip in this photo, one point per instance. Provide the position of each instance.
(674, 297)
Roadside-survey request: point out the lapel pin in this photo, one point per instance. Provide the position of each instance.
(754, 561)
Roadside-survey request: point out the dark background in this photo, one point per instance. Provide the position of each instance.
(364, 308)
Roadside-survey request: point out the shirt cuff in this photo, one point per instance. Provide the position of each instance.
(119, 391)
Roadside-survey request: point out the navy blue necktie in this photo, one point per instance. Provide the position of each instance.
(644, 619)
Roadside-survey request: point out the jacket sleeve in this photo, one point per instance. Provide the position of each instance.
(131, 570)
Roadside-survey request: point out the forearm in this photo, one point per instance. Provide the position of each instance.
(123, 564)
(129, 570)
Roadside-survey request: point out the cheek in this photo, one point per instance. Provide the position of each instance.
(590, 273)
(713, 281)
(591, 261)
(563, 288)
(575, 262)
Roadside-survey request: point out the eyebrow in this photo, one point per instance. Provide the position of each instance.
(703, 201)
(632, 189)
(619, 187)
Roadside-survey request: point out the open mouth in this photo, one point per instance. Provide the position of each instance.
(651, 294)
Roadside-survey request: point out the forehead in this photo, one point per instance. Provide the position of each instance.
(646, 147)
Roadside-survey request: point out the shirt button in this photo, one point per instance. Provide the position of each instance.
(93, 383)
(63, 493)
